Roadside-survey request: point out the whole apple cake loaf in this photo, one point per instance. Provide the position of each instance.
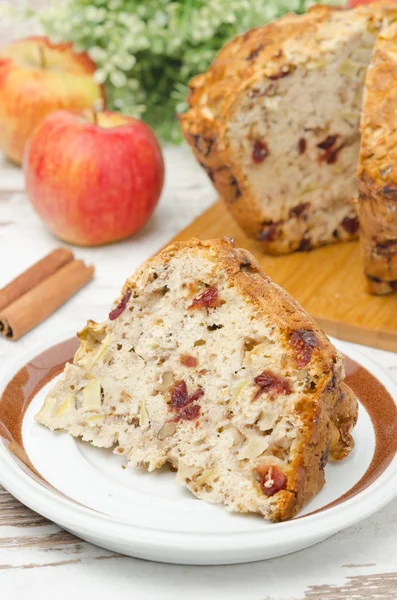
(206, 364)
(275, 123)
(377, 172)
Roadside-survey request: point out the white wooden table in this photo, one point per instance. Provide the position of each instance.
(38, 560)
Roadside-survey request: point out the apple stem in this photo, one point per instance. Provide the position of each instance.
(98, 107)
(43, 62)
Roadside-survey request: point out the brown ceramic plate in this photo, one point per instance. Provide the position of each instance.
(89, 492)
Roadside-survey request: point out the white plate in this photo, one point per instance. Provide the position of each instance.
(147, 515)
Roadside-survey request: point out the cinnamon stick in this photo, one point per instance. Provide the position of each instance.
(41, 301)
(34, 275)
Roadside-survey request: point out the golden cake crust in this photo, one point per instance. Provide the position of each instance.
(377, 171)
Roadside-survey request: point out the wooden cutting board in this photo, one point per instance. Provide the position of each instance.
(328, 282)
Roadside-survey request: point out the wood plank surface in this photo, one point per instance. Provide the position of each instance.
(328, 282)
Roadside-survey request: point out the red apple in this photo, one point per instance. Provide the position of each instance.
(92, 177)
(37, 78)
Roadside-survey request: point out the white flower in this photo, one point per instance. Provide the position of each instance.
(118, 78)
(97, 54)
(100, 76)
(95, 15)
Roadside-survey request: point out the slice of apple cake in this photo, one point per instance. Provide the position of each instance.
(206, 364)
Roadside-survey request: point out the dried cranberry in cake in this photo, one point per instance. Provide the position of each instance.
(208, 299)
(272, 481)
(332, 156)
(350, 224)
(189, 361)
(179, 395)
(260, 152)
(268, 233)
(331, 152)
(303, 341)
(116, 312)
(189, 412)
(327, 143)
(181, 400)
(271, 384)
(196, 395)
(296, 211)
(302, 146)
